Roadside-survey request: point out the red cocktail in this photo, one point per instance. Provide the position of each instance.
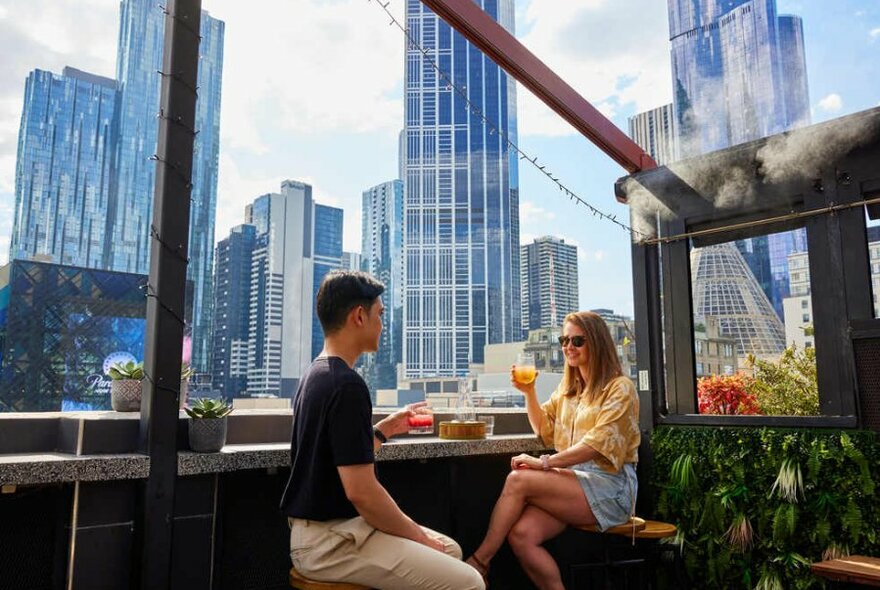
(421, 423)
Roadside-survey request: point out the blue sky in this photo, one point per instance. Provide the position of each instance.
(313, 91)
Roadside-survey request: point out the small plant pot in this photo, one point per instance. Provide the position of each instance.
(125, 395)
(207, 435)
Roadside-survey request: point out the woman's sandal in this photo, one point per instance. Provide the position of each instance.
(481, 567)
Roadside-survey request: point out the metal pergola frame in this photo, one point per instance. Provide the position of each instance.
(847, 173)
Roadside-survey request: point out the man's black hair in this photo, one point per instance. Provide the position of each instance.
(340, 292)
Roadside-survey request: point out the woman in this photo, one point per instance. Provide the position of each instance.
(592, 422)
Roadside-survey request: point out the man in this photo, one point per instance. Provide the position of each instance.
(344, 526)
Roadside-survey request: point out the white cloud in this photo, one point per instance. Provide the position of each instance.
(831, 103)
(323, 67)
(530, 211)
(614, 54)
(599, 255)
(875, 33)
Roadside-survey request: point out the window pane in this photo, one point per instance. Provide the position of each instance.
(753, 327)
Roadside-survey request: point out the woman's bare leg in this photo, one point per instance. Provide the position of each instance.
(526, 539)
(557, 492)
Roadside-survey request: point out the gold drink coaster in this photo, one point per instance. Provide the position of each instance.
(462, 430)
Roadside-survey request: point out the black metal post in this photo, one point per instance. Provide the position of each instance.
(166, 289)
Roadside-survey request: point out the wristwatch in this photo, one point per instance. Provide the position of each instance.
(545, 462)
(379, 436)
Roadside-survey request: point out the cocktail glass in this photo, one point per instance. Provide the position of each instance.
(524, 371)
(421, 423)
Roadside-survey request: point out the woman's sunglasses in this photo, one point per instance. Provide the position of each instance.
(576, 341)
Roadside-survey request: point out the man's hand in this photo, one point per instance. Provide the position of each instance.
(397, 423)
(433, 544)
(526, 462)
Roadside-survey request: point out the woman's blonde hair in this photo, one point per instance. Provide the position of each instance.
(602, 362)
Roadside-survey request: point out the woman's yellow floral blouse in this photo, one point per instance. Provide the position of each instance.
(610, 424)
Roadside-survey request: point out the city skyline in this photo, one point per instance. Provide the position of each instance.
(263, 141)
(85, 172)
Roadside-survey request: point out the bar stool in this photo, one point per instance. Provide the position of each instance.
(302, 583)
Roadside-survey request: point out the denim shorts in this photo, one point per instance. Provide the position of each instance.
(611, 495)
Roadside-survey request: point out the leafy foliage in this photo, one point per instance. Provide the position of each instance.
(129, 370)
(207, 408)
(787, 387)
(186, 371)
(715, 483)
(726, 394)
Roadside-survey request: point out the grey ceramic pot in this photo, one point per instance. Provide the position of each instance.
(207, 435)
(125, 395)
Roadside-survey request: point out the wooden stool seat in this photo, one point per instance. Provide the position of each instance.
(626, 529)
(301, 583)
(856, 569)
(654, 529)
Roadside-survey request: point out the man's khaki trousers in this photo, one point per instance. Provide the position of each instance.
(350, 550)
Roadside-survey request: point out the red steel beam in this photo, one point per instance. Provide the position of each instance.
(476, 26)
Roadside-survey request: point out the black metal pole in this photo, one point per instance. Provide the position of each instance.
(166, 289)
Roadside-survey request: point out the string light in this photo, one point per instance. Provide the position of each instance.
(182, 21)
(474, 110)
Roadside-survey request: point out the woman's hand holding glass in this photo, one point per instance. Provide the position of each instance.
(524, 374)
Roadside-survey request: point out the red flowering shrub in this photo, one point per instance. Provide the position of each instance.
(725, 394)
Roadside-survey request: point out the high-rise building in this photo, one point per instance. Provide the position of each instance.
(739, 74)
(461, 206)
(138, 63)
(549, 280)
(799, 306)
(289, 252)
(64, 168)
(327, 240)
(654, 131)
(726, 291)
(351, 260)
(85, 173)
(232, 285)
(382, 251)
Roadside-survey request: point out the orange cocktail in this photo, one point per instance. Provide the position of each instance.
(524, 375)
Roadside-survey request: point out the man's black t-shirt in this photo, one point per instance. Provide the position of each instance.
(332, 426)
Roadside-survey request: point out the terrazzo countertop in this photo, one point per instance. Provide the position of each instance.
(261, 456)
(40, 468)
(37, 468)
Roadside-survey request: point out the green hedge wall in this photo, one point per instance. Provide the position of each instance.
(745, 525)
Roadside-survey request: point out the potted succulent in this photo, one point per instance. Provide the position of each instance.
(125, 390)
(186, 371)
(207, 424)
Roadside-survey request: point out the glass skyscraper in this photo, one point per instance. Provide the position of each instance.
(382, 256)
(739, 74)
(84, 175)
(461, 202)
(232, 285)
(64, 169)
(139, 59)
(328, 256)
